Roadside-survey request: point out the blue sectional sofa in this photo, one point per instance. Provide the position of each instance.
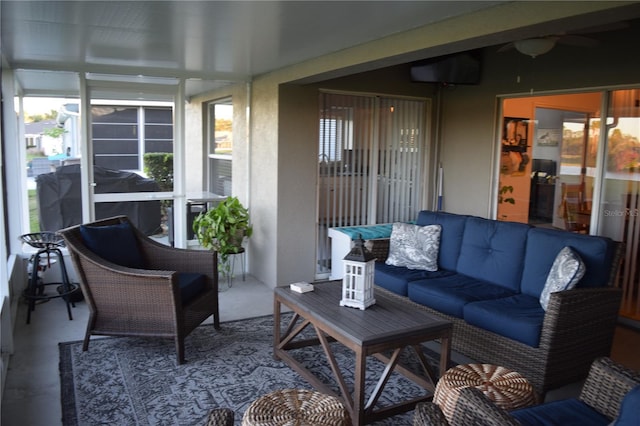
(488, 283)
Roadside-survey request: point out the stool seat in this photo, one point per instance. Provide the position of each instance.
(506, 388)
(297, 407)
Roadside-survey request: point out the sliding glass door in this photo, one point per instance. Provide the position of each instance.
(369, 163)
(619, 213)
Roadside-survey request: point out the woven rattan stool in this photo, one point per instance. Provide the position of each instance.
(507, 389)
(295, 407)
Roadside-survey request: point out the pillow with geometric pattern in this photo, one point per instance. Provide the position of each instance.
(566, 271)
(414, 247)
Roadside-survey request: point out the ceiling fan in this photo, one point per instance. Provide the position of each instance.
(537, 46)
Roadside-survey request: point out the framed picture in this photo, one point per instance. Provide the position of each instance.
(548, 137)
(514, 157)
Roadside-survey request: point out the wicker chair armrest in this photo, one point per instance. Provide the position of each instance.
(379, 247)
(474, 408)
(429, 414)
(137, 280)
(160, 256)
(220, 417)
(606, 385)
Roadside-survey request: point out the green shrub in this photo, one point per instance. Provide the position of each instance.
(159, 167)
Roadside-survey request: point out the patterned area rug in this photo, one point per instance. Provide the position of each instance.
(132, 381)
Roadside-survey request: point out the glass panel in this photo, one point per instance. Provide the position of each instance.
(133, 154)
(220, 142)
(620, 205)
(51, 132)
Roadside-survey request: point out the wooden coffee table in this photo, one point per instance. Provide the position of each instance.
(389, 326)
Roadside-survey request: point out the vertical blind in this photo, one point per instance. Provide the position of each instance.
(369, 161)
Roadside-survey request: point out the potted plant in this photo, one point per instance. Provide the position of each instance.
(223, 229)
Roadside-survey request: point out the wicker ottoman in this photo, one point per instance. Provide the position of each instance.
(507, 389)
(295, 407)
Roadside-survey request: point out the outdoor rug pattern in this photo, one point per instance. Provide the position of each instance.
(134, 381)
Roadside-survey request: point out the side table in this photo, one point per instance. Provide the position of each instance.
(506, 388)
(296, 407)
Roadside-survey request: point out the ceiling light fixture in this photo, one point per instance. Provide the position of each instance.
(535, 46)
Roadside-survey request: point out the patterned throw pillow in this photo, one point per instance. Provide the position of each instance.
(566, 271)
(414, 247)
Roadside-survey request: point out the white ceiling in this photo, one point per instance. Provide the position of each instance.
(213, 43)
(209, 43)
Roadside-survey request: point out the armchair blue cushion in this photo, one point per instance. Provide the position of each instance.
(191, 285)
(114, 243)
(630, 409)
(567, 412)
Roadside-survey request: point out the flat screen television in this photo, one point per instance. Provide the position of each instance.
(459, 68)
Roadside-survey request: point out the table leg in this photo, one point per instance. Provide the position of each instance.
(357, 414)
(445, 354)
(276, 325)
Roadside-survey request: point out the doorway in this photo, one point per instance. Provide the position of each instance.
(548, 160)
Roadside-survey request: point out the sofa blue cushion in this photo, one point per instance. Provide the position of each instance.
(450, 236)
(191, 285)
(450, 294)
(543, 245)
(114, 243)
(396, 278)
(493, 251)
(517, 317)
(630, 410)
(567, 412)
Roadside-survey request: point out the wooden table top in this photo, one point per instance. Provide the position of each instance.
(388, 320)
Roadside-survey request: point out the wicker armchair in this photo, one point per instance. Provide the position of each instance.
(603, 391)
(127, 301)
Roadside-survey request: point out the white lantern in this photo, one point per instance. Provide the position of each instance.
(357, 281)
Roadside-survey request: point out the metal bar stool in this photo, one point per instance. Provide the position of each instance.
(48, 244)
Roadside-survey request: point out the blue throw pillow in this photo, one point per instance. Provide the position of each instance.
(630, 409)
(115, 243)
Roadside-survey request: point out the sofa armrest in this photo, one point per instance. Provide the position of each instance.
(607, 384)
(578, 327)
(379, 247)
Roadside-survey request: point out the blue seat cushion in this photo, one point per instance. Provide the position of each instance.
(114, 243)
(397, 278)
(191, 285)
(630, 409)
(493, 251)
(567, 412)
(451, 293)
(518, 317)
